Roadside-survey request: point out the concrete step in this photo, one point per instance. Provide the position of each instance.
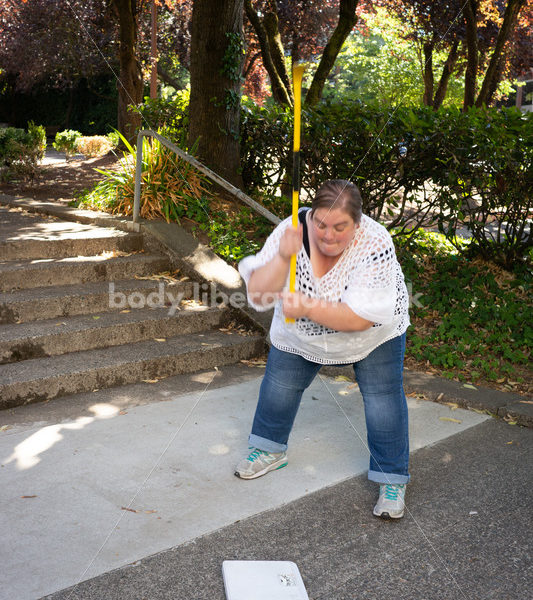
(87, 298)
(43, 379)
(25, 236)
(30, 248)
(85, 332)
(28, 274)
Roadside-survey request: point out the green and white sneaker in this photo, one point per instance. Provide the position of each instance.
(391, 501)
(259, 462)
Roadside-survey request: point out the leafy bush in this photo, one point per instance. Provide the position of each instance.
(170, 187)
(37, 139)
(170, 116)
(235, 235)
(21, 151)
(114, 138)
(471, 319)
(65, 141)
(94, 145)
(415, 166)
(485, 181)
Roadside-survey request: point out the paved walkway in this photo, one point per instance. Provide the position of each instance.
(101, 481)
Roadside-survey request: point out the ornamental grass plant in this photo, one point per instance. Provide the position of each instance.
(170, 187)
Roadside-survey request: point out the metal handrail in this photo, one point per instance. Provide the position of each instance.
(196, 164)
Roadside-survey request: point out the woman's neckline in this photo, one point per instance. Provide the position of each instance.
(313, 246)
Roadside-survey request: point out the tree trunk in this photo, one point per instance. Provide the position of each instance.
(275, 45)
(217, 54)
(447, 71)
(470, 13)
(130, 86)
(347, 21)
(429, 80)
(491, 80)
(280, 92)
(495, 81)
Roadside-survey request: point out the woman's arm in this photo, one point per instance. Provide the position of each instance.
(270, 279)
(335, 315)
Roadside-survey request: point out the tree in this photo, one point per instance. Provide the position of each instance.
(495, 68)
(470, 15)
(81, 44)
(217, 52)
(379, 62)
(130, 83)
(300, 27)
(475, 29)
(33, 52)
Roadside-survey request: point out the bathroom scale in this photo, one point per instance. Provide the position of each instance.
(263, 580)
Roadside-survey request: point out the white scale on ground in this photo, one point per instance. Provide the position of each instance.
(263, 580)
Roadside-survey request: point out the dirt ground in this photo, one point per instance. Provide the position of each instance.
(61, 180)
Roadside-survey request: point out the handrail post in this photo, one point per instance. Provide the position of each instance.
(138, 173)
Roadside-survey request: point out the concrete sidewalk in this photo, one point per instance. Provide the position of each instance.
(101, 481)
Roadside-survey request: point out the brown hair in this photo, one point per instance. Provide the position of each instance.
(339, 193)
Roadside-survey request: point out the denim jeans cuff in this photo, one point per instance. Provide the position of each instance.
(394, 478)
(264, 444)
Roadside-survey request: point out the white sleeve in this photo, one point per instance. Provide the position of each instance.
(372, 290)
(250, 263)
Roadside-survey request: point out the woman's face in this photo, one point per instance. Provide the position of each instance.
(333, 230)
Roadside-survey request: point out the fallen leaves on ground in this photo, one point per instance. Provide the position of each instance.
(148, 512)
(168, 276)
(254, 362)
(450, 419)
(115, 253)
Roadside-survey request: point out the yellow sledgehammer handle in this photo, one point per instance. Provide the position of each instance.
(297, 75)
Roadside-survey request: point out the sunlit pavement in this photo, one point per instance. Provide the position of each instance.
(108, 478)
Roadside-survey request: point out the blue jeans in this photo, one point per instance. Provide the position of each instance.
(380, 379)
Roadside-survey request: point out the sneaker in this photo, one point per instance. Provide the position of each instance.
(391, 503)
(259, 462)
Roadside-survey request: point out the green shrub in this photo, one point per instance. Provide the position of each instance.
(485, 181)
(65, 141)
(9, 138)
(170, 116)
(415, 167)
(21, 151)
(37, 139)
(471, 319)
(114, 138)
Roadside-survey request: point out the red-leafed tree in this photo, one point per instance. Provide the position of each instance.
(496, 66)
(483, 32)
(303, 30)
(54, 42)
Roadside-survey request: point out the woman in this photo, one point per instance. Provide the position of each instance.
(351, 306)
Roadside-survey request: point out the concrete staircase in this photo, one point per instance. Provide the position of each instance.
(82, 308)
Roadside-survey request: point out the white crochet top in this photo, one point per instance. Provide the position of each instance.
(367, 277)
